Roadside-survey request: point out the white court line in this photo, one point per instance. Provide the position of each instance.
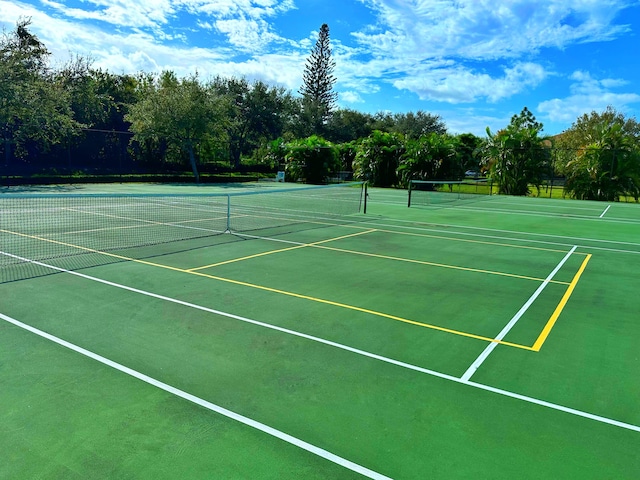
(487, 351)
(203, 403)
(515, 239)
(560, 216)
(340, 346)
(605, 211)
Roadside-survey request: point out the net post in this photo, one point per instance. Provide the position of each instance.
(409, 190)
(366, 196)
(228, 214)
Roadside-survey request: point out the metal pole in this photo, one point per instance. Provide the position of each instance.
(366, 195)
(228, 214)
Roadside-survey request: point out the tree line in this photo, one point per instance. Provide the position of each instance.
(161, 119)
(133, 122)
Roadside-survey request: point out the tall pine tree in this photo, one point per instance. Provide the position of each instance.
(317, 90)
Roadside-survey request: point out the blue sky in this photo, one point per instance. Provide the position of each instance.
(473, 62)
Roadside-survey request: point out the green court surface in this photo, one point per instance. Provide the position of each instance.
(487, 337)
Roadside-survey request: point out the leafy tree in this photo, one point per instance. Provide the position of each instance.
(258, 114)
(89, 106)
(312, 159)
(347, 125)
(272, 153)
(430, 157)
(119, 92)
(378, 158)
(516, 156)
(468, 147)
(411, 125)
(35, 110)
(318, 97)
(383, 121)
(414, 125)
(601, 156)
(347, 153)
(183, 113)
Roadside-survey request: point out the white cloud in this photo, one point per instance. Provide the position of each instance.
(246, 34)
(484, 29)
(457, 84)
(243, 22)
(274, 69)
(136, 50)
(613, 82)
(350, 97)
(471, 121)
(114, 51)
(117, 60)
(234, 8)
(124, 13)
(587, 94)
(205, 25)
(425, 46)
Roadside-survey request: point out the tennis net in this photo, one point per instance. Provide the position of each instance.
(444, 192)
(84, 230)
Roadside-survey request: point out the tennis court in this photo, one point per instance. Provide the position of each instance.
(260, 332)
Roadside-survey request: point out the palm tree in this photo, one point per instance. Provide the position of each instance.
(517, 156)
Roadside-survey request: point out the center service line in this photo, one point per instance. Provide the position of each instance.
(605, 211)
(487, 351)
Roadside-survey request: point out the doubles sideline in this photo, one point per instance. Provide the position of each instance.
(203, 403)
(433, 373)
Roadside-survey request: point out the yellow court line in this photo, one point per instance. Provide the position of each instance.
(281, 292)
(373, 255)
(441, 265)
(270, 252)
(248, 257)
(565, 298)
(354, 308)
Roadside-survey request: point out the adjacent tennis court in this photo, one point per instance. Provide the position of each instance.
(263, 331)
